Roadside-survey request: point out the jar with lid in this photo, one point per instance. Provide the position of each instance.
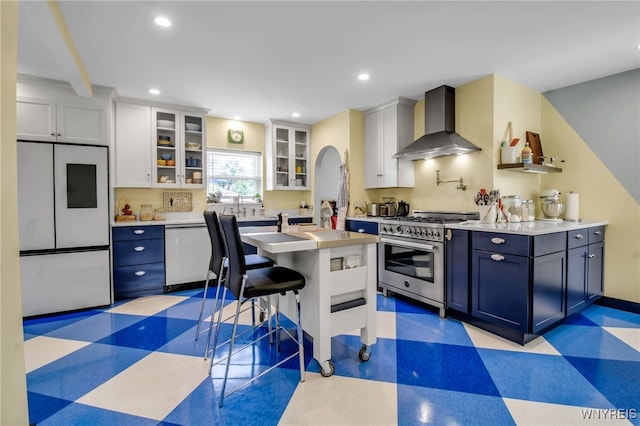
(512, 206)
(528, 211)
(146, 212)
(159, 214)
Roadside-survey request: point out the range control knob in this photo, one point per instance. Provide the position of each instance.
(399, 229)
(436, 233)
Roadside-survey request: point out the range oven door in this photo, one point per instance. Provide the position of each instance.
(412, 266)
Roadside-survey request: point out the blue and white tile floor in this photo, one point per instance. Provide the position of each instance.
(136, 363)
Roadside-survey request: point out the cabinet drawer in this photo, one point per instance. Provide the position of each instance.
(549, 243)
(128, 233)
(366, 227)
(138, 280)
(138, 252)
(577, 238)
(596, 234)
(501, 243)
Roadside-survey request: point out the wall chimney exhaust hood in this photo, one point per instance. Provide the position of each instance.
(440, 138)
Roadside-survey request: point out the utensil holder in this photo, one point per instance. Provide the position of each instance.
(488, 213)
(508, 155)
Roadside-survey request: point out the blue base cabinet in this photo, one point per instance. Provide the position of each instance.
(457, 270)
(138, 261)
(585, 256)
(518, 281)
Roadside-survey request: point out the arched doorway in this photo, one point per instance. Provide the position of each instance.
(326, 179)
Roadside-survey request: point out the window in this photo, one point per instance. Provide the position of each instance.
(234, 173)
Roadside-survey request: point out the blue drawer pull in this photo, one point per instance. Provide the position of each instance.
(139, 231)
(139, 273)
(139, 248)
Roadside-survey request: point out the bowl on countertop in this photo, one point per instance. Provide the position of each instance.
(552, 209)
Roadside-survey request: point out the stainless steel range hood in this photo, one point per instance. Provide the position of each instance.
(440, 138)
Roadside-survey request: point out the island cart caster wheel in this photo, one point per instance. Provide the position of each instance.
(363, 354)
(329, 373)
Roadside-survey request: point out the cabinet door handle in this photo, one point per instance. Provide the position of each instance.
(361, 231)
(578, 236)
(139, 273)
(497, 257)
(53, 134)
(139, 231)
(591, 255)
(139, 248)
(497, 240)
(596, 233)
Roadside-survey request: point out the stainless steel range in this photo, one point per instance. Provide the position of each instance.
(411, 255)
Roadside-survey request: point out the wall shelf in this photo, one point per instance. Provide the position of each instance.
(529, 168)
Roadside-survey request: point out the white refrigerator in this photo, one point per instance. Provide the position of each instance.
(63, 207)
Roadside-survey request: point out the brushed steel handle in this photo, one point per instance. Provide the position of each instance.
(139, 231)
(596, 233)
(591, 256)
(139, 273)
(578, 236)
(497, 257)
(497, 240)
(139, 248)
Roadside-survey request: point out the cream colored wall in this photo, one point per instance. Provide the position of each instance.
(602, 197)
(474, 121)
(521, 106)
(13, 387)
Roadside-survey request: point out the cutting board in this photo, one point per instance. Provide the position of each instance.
(536, 147)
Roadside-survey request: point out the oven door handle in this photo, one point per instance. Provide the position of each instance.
(408, 244)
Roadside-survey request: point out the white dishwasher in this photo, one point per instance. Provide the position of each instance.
(187, 253)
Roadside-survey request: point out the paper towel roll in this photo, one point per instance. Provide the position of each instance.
(573, 207)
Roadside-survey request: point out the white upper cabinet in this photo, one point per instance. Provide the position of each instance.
(179, 149)
(42, 119)
(287, 152)
(159, 147)
(132, 163)
(387, 129)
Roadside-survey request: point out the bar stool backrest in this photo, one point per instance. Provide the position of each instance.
(235, 253)
(218, 250)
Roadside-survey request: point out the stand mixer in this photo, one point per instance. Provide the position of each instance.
(551, 207)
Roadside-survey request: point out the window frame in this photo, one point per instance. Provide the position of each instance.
(258, 179)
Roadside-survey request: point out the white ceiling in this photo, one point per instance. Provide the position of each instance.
(265, 59)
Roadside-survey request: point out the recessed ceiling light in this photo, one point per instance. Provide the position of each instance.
(363, 77)
(295, 114)
(154, 91)
(161, 21)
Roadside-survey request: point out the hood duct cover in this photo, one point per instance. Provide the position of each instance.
(440, 138)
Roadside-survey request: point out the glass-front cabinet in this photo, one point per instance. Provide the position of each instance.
(287, 149)
(179, 143)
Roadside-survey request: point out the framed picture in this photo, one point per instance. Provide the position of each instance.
(360, 209)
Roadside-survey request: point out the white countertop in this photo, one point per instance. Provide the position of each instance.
(297, 239)
(191, 219)
(538, 227)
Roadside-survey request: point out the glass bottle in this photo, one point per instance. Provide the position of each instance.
(527, 154)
